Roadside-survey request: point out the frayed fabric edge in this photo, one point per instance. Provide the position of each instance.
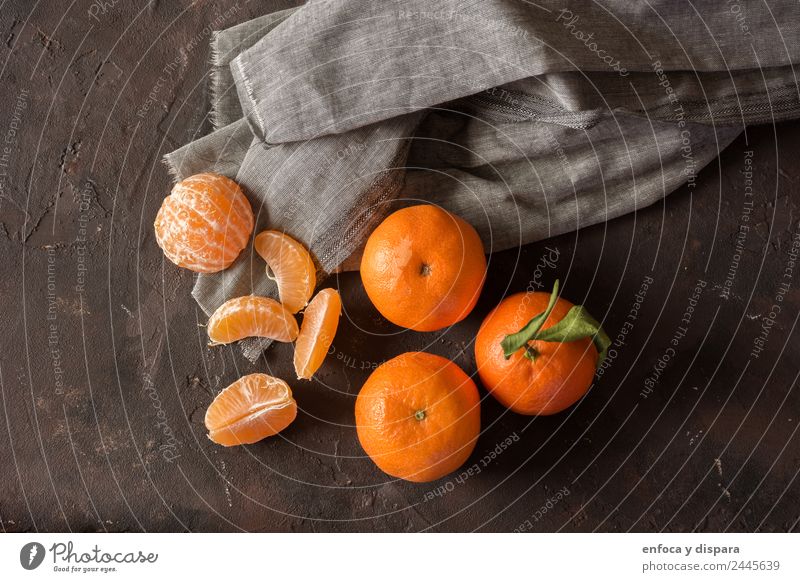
(220, 60)
(172, 169)
(215, 60)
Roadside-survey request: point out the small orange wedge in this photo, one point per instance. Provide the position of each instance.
(251, 316)
(291, 266)
(320, 320)
(252, 408)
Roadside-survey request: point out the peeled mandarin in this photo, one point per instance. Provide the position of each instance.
(252, 408)
(204, 223)
(291, 265)
(320, 320)
(251, 316)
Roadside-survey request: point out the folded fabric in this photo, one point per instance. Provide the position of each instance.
(528, 120)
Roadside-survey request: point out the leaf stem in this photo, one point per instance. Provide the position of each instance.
(512, 342)
(577, 324)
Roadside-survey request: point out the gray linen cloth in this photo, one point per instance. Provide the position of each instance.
(527, 119)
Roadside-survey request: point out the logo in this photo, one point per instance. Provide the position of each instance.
(31, 555)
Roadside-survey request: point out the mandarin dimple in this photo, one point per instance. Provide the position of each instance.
(204, 223)
(320, 320)
(291, 265)
(251, 316)
(254, 407)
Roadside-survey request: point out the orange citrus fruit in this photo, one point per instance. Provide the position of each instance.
(320, 320)
(204, 223)
(252, 408)
(418, 416)
(423, 268)
(541, 377)
(291, 265)
(251, 316)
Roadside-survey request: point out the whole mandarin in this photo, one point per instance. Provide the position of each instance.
(559, 375)
(423, 268)
(418, 416)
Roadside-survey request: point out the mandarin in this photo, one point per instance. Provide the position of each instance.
(542, 376)
(204, 223)
(423, 268)
(320, 320)
(252, 408)
(251, 316)
(418, 416)
(291, 266)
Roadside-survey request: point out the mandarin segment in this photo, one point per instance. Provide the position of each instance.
(251, 316)
(204, 223)
(320, 320)
(291, 265)
(252, 408)
(418, 416)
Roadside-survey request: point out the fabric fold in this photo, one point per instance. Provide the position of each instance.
(227, 45)
(334, 65)
(526, 120)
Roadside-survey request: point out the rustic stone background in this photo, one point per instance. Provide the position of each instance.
(105, 376)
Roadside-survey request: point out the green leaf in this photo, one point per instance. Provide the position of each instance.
(512, 342)
(578, 324)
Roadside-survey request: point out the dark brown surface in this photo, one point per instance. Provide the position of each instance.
(93, 381)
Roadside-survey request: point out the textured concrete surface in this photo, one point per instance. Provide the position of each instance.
(105, 376)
